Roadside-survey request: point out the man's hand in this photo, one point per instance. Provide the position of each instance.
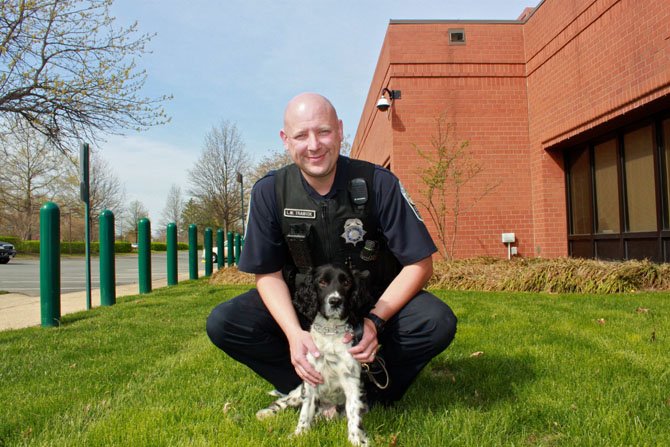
(300, 345)
(366, 349)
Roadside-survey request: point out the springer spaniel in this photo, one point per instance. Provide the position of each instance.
(335, 300)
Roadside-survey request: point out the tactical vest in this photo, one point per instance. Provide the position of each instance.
(341, 230)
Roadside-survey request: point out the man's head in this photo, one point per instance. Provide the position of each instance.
(312, 134)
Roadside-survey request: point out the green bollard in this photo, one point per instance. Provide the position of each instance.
(220, 250)
(50, 264)
(144, 256)
(107, 266)
(238, 248)
(208, 251)
(193, 251)
(172, 254)
(229, 236)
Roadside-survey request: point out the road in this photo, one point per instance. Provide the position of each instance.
(22, 275)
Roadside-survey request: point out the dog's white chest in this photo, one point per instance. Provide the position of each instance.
(336, 366)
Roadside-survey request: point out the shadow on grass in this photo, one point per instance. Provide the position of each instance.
(476, 382)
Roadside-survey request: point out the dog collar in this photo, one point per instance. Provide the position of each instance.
(330, 329)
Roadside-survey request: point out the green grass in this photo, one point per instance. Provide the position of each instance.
(143, 373)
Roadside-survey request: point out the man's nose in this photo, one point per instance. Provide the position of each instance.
(312, 141)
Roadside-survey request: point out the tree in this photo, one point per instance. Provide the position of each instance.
(271, 162)
(130, 223)
(214, 177)
(105, 191)
(174, 207)
(68, 72)
(32, 174)
(449, 168)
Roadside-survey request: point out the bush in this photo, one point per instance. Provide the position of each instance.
(563, 275)
(15, 241)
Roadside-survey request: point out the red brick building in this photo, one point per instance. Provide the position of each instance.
(567, 111)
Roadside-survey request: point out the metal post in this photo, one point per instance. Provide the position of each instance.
(193, 251)
(220, 249)
(172, 254)
(107, 267)
(238, 248)
(208, 251)
(50, 264)
(84, 195)
(240, 180)
(230, 248)
(144, 256)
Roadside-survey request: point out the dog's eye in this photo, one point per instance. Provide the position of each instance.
(323, 283)
(346, 283)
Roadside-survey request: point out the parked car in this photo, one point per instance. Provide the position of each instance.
(215, 253)
(7, 252)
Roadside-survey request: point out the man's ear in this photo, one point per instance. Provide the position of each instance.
(284, 138)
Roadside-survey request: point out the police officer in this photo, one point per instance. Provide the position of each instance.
(329, 208)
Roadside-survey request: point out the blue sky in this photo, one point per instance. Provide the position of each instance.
(242, 60)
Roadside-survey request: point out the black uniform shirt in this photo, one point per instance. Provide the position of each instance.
(265, 250)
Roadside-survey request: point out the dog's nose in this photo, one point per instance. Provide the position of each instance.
(335, 301)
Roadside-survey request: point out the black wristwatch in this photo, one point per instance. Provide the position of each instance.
(377, 321)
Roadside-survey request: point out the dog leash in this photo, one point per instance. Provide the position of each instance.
(371, 375)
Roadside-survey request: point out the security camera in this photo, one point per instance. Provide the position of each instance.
(383, 104)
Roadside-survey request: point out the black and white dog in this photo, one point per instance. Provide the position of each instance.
(334, 299)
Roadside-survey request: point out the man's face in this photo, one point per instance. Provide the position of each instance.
(312, 135)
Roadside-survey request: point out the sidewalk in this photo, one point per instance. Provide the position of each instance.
(19, 311)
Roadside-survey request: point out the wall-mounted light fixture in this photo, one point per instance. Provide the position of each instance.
(384, 103)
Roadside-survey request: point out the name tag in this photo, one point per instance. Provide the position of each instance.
(299, 214)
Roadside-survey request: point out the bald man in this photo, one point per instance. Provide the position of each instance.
(312, 201)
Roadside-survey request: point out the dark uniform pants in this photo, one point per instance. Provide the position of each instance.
(245, 330)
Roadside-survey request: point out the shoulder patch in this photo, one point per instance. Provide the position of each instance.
(409, 201)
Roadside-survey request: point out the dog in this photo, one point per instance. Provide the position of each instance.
(335, 300)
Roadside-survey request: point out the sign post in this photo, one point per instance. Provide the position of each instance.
(84, 186)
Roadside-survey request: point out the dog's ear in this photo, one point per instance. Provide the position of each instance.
(305, 298)
(361, 299)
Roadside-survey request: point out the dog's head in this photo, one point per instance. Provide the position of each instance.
(334, 292)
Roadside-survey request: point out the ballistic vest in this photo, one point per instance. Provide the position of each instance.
(341, 230)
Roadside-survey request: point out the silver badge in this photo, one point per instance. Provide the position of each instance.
(353, 231)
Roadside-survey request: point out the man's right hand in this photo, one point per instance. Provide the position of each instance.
(300, 344)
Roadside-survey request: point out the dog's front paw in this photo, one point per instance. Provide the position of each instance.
(358, 438)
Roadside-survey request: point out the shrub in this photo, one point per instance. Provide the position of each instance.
(15, 241)
(158, 246)
(563, 275)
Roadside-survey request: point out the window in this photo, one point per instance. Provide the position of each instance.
(457, 36)
(606, 188)
(640, 182)
(665, 138)
(580, 192)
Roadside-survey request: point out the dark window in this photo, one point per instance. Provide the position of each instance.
(607, 189)
(640, 185)
(456, 36)
(618, 194)
(580, 193)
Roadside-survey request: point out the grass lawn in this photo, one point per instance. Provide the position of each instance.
(552, 370)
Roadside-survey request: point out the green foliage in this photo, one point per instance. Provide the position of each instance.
(15, 241)
(74, 248)
(525, 369)
(158, 246)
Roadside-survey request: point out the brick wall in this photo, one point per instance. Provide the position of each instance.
(514, 91)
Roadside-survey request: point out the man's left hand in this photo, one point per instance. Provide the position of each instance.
(366, 349)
